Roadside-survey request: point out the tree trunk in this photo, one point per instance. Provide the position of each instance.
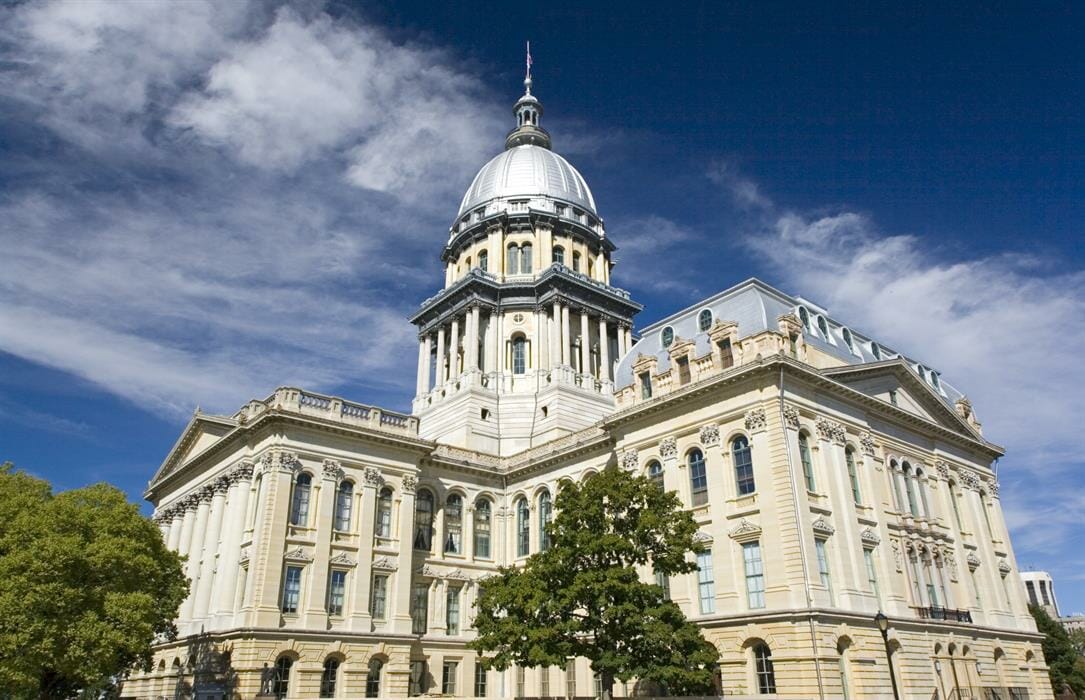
(606, 681)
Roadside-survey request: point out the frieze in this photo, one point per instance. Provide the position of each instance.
(791, 417)
(668, 448)
(866, 442)
(331, 469)
(630, 460)
(823, 526)
(371, 476)
(745, 529)
(710, 435)
(868, 536)
(755, 419)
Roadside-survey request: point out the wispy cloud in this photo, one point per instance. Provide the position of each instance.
(233, 196)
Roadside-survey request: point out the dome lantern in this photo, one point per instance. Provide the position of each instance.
(527, 109)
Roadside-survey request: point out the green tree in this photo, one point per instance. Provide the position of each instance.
(584, 597)
(1065, 664)
(86, 584)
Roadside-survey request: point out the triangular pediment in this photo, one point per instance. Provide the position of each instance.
(202, 432)
(896, 383)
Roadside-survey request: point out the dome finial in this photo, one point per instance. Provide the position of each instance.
(527, 78)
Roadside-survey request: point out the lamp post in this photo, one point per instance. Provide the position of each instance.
(883, 626)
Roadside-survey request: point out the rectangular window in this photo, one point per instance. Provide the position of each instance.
(378, 608)
(480, 680)
(1043, 592)
(823, 567)
(683, 370)
(521, 682)
(706, 582)
(755, 575)
(337, 588)
(570, 679)
(727, 358)
(292, 589)
(1031, 587)
(419, 604)
(544, 682)
(664, 582)
(452, 611)
(448, 677)
(416, 681)
(872, 574)
(645, 385)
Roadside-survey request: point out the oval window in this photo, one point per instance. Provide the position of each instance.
(667, 336)
(704, 319)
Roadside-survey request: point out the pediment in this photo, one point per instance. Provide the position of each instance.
(202, 432)
(909, 392)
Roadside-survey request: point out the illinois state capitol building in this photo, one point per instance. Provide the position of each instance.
(336, 549)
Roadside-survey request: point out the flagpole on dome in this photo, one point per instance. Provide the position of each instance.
(527, 78)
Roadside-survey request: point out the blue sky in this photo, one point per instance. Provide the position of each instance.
(200, 202)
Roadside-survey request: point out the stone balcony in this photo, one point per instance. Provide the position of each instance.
(331, 408)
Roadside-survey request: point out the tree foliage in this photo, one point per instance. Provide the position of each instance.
(1064, 662)
(86, 584)
(585, 597)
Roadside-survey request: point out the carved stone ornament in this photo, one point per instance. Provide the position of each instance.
(630, 460)
(992, 487)
(866, 442)
(372, 477)
(973, 561)
(410, 483)
(829, 430)
(951, 563)
(244, 555)
(710, 435)
(969, 480)
(342, 560)
(297, 554)
(206, 493)
(870, 537)
(745, 529)
(1003, 568)
(190, 502)
(221, 484)
(896, 555)
(791, 417)
(668, 448)
(384, 564)
(943, 470)
(755, 419)
(823, 526)
(278, 460)
(702, 536)
(457, 575)
(427, 571)
(331, 469)
(242, 471)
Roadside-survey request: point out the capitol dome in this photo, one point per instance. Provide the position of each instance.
(527, 171)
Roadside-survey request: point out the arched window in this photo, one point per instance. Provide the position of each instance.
(280, 682)
(519, 355)
(482, 529)
(986, 514)
(823, 327)
(842, 649)
(525, 258)
(909, 489)
(511, 259)
(423, 521)
(373, 679)
(666, 336)
(254, 507)
(853, 475)
(655, 472)
(576, 261)
(454, 524)
(804, 317)
(807, 462)
(704, 319)
(559, 255)
(876, 351)
(484, 260)
(384, 513)
(921, 484)
(344, 499)
(895, 476)
(740, 454)
(299, 511)
(544, 520)
(328, 678)
(523, 528)
(766, 676)
(848, 340)
(956, 506)
(698, 479)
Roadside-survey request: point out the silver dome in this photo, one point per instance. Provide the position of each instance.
(528, 171)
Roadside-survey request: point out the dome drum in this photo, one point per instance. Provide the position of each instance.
(465, 235)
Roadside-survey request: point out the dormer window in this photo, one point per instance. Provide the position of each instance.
(934, 381)
(804, 318)
(667, 336)
(875, 351)
(704, 319)
(561, 209)
(645, 385)
(823, 327)
(848, 340)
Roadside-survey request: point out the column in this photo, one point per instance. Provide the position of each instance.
(566, 356)
(604, 351)
(420, 381)
(427, 358)
(472, 339)
(454, 350)
(316, 611)
(400, 593)
(585, 343)
(195, 548)
(175, 528)
(237, 506)
(495, 345)
(554, 336)
(210, 549)
(536, 342)
(188, 504)
(441, 377)
(269, 538)
(360, 614)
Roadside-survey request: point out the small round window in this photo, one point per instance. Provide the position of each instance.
(704, 319)
(667, 336)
